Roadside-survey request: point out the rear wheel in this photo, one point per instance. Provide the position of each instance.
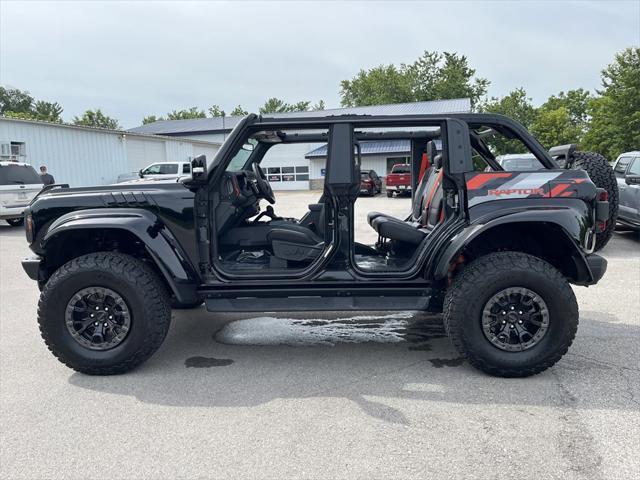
(603, 176)
(104, 313)
(15, 222)
(511, 314)
(389, 193)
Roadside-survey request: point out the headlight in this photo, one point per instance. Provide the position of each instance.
(28, 227)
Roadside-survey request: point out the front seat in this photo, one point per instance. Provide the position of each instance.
(298, 242)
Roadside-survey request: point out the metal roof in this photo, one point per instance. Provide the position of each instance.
(225, 124)
(377, 147)
(102, 130)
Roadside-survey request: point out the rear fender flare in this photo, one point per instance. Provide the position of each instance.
(159, 242)
(571, 225)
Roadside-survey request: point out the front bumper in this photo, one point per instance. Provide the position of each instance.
(31, 265)
(597, 266)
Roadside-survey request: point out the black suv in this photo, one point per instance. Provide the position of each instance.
(493, 250)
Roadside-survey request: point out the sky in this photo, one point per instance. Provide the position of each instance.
(136, 58)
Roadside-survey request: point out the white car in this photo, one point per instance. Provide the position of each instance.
(166, 170)
(19, 183)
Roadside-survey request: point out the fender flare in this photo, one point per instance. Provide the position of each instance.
(158, 240)
(565, 219)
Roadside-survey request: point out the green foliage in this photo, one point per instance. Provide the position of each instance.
(576, 103)
(185, 114)
(151, 119)
(239, 112)
(17, 103)
(216, 111)
(276, 105)
(554, 126)
(379, 85)
(95, 118)
(516, 105)
(615, 116)
(433, 76)
(319, 106)
(48, 111)
(14, 100)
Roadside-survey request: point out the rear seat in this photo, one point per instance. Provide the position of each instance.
(426, 212)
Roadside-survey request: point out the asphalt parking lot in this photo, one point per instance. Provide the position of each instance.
(371, 395)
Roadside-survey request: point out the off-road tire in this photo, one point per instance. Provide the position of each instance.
(143, 292)
(15, 222)
(483, 278)
(603, 176)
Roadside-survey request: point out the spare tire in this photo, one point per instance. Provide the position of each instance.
(602, 175)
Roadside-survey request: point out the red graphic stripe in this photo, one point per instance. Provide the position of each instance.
(482, 178)
(567, 194)
(558, 189)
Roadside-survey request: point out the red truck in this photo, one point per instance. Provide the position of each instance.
(399, 180)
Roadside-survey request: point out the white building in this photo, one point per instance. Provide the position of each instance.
(85, 156)
(300, 166)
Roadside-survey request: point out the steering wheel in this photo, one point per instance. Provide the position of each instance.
(263, 184)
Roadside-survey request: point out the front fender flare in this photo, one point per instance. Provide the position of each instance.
(158, 240)
(570, 224)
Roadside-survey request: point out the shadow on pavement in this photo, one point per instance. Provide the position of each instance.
(418, 363)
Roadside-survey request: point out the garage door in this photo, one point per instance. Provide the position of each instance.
(141, 153)
(208, 150)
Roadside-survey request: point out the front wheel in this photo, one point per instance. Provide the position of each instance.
(15, 222)
(104, 313)
(511, 314)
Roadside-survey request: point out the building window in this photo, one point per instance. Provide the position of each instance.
(13, 151)
(391, 161)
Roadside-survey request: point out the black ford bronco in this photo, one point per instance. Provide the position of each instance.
(493, 250)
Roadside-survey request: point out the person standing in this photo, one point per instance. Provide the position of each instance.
(47, 178)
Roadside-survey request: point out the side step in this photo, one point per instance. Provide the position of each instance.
(410, 299)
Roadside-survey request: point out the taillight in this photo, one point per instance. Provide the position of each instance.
(28, 227)
(602, 210)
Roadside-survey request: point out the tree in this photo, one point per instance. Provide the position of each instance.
(433, 76)
(614, 126)
(276, 105)
(576, 103)
(15, 100)
(437, 76)
(185, 114)
(151, 119)
(239, 112)
(516, 105)
(379, 85)
(319, 106)
(48, 111)
(554, 126)
(95, 118)
(216, 111)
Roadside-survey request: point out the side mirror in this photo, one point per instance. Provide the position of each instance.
(632, 179)
(140, 174)
(199, 168)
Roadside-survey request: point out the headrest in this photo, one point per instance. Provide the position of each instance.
(437, 161)
(431, 150)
